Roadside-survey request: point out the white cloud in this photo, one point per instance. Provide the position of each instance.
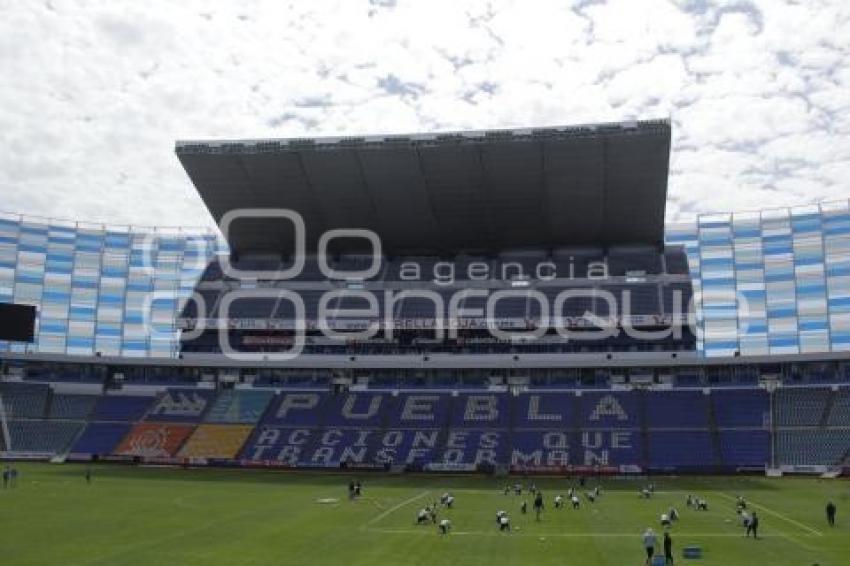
(95, 93)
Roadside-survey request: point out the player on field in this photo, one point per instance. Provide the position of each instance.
(753, 526)
(88, 474)
(423, 516)
(830, 513)
(649, 541)
(668, 549)
(445, 526)
(674, 515)
(702, 505)
(351, 489)
(505, 523)
(745, 519)
(524, 507)
(665, 520)
(591, 496)
(645, 493)
(538, 504)
(575, 501)
(499, 515)
(559, 501)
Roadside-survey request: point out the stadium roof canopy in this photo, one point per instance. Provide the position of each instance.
(487, 191)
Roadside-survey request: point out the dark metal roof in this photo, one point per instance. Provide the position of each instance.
(487, 191)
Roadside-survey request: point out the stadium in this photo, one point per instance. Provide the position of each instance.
(476, 313)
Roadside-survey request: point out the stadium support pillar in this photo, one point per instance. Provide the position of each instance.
(7, 441)
(772, 428)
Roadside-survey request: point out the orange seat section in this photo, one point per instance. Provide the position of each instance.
(154, 440)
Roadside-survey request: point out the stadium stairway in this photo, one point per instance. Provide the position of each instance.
(827, 410)
(48, 403)
(715, 435)
(443, 434)
(318, 430)
(643, 408)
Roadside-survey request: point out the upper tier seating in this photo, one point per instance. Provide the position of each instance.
(676, 261)
(622, 263)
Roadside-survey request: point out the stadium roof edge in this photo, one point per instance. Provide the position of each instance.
(454, 136)
(444, 193)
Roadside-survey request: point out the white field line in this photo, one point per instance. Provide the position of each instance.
(429, 531)
(395, 508)
(776, 514)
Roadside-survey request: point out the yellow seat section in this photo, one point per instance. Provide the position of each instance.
(216, 441)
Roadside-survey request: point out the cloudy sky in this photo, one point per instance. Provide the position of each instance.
(94, 94)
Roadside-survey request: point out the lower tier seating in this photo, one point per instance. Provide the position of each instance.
(50, 437)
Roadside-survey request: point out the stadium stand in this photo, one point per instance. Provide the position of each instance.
(239, 406)
(154, 440)
(812, 447)
(801, 406)
(41, 436)
(472, 400)
(181, 405)
(72, 407)
(216, 441)
(100, 438)
(721, 428)
(121, 407)
(24, 400)
(839, 415)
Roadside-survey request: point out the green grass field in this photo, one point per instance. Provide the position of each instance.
(170, 516)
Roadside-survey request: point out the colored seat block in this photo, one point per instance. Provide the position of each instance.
(239, 406)
(154, 440)
(100, 438)
(216, 441)
(181, 405)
